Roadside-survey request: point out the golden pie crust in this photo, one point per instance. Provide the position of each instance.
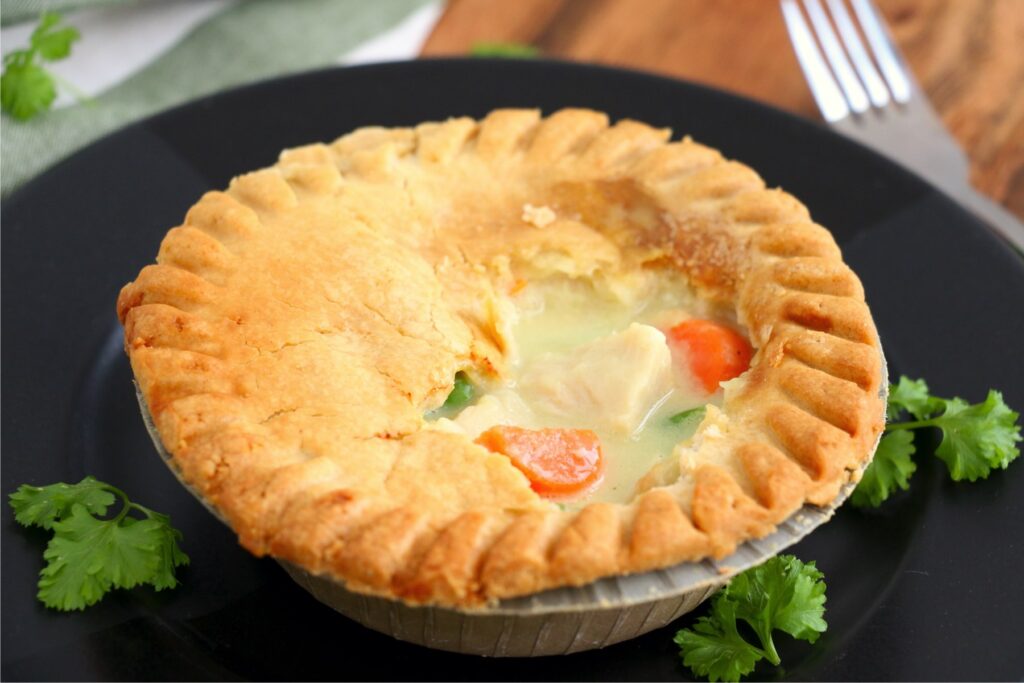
(297, 327)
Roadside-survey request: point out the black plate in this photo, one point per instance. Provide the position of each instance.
(929, 587)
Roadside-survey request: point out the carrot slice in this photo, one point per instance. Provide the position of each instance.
(716, 353)
(558, 462)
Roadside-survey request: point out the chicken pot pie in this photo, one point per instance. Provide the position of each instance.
(473, 360)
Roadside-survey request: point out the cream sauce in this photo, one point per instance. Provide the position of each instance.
(588, 356)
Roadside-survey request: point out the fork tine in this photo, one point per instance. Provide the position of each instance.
(826, 93)
(854, 91)
(869, 75)
(885, 53)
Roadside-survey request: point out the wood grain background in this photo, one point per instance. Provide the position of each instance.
(967, 54)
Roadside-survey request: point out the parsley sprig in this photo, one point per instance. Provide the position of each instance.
(89, 555)
(26, 88)
(976, 439)
(783, 594)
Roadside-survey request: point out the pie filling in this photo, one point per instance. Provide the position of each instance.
(604, 383)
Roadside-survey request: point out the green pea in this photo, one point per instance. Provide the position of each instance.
(691, 414)
(462, 392)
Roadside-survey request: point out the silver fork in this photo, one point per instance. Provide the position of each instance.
(884, 107)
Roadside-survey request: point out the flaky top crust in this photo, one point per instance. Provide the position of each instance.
(297, 326)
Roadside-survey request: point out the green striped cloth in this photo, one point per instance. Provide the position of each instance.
(14, 11)
(249, 41)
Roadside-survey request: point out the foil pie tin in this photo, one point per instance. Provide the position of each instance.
(558, 621)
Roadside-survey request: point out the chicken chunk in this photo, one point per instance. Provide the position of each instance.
(615, 380)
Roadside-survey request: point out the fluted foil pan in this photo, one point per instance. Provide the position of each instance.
(562, 620)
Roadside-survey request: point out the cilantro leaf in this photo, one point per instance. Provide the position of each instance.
(891, 468)
(802, 612)
(44, 505)
(782, 594)
(171, 555)
(89, 555)
(50, 42)
(47, 20)
(713, 648)
(25, 90)
(977, 438)
(503, 49)
(912, 396)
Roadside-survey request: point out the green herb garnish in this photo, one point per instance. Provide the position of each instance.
(783, 594)
(26, 88)
(976, 439)
(890, 469)
(87, 555)
(501, 49)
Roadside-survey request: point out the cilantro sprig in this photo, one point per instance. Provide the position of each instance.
(26, 88)
(89, 555)
(890, 470)
(976, 439)
(783, 594)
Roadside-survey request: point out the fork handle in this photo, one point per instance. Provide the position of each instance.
(999, 219)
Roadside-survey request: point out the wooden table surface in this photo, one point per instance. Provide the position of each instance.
(967, 54)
